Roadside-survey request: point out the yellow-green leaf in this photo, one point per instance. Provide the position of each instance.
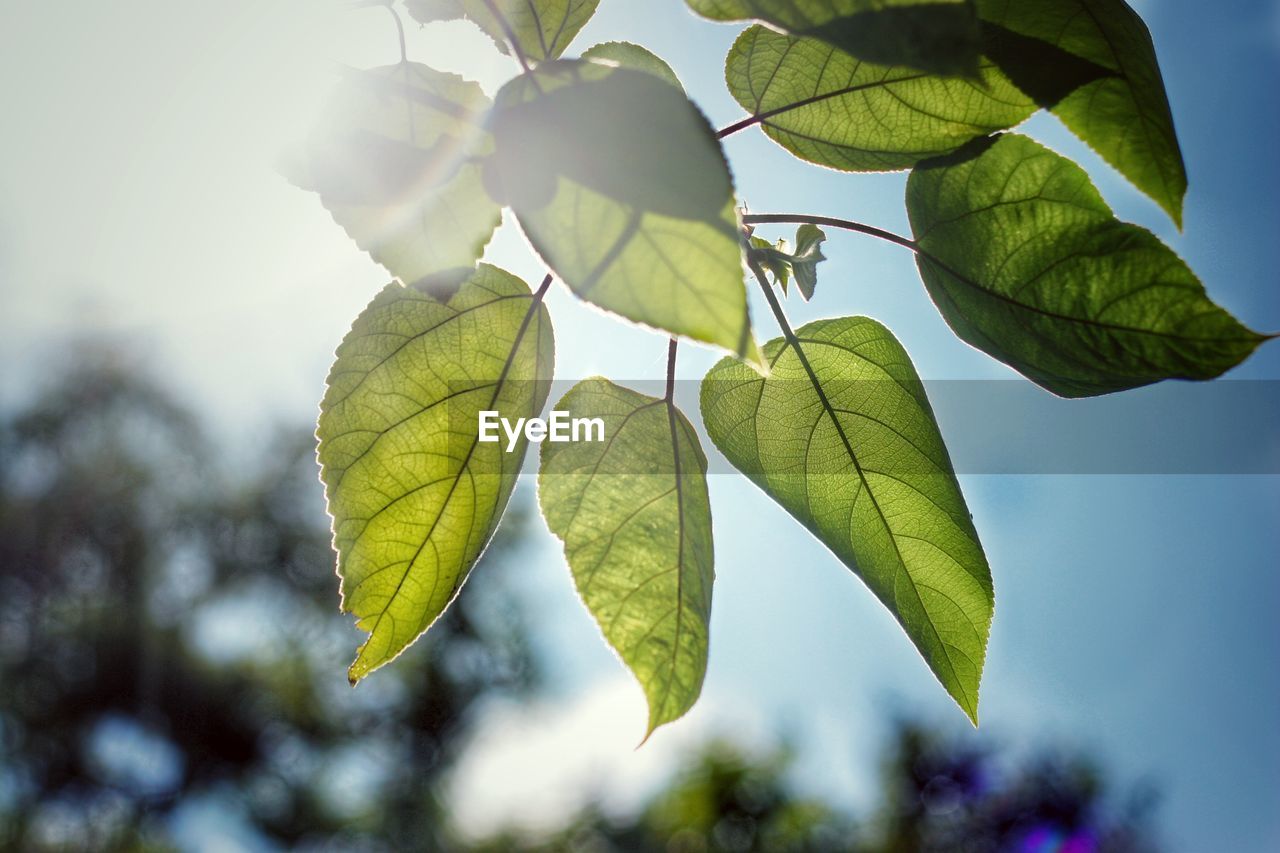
(635, 518)
(842, 436)
(414, 496)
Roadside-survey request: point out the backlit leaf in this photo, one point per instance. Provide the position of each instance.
(1123, 115)
(414, 496)
(542, 28)
(636, 523)
(780, 261)
(830, 108)
(394, 162)
(620, 185)
(808, 254)
(1026, 262)
(773, 257)
(632, 56)
(941, 36)
(842, 436)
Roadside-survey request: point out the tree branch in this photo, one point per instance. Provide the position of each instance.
(831, 222)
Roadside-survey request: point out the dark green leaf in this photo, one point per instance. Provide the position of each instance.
(828, 107)
(842, 436)
(1026, 262)
(1122, 112)
(636, 523)
(543, 28)
(939, 36)
(394, 162)
(620, 185)
(632, 56)
(414, 496)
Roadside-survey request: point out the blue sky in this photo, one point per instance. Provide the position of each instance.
(1134, 615)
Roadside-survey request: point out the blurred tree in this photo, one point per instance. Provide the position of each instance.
(940, 795)
(170, 655)
(169, 637)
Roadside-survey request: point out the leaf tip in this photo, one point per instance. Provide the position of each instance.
(656, 721)
(753, 357)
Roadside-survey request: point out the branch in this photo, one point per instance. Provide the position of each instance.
(831, 222)
(404, 56)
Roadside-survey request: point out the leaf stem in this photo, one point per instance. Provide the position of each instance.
(831, 222)
(510, 35)
(542, 288)
(671, 369)
(775, 305)
(404, 54)
(741, 124)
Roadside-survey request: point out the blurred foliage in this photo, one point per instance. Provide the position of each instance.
(153, 601)
(171, 657)
(940, 794)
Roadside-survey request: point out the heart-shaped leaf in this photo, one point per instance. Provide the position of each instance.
(636, 523)
(842, 436)
(620, 185)
(1027, 263)
(415, 497)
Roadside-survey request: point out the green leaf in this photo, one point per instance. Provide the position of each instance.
(808, 254)
(394, 162)
(842, 436)
(827, 107)
(620, 185)
(414, 496)
(542, 28)
(781, 263)
(940, 36)
(1027, 263)
(1123, 114)
(632, 56)
(635, 518)
(773, 257)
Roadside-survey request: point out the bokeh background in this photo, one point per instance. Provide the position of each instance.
(170, 653)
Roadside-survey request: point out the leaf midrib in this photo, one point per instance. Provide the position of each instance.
(793, 342)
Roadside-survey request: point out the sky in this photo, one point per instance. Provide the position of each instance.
(139, 197)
